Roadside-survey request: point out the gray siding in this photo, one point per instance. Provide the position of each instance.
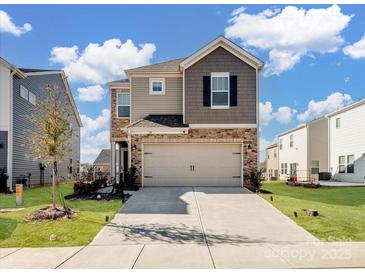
(4, 150)
(24, 161)
(220, 60)
(144, 104)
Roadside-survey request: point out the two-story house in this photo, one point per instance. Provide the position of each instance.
(303, 151)
(20, 90)
(191, 121)
(272, 162)
(347, 143)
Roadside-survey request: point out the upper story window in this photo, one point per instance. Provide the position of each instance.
(281, 144)
(27, 95)
(32, 98)
(24, 93)
(157, 86)
(123, 104)
(338, 122)
(291, 140)
(220, 89)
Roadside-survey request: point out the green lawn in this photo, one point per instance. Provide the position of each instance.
(341, 210)
(14, 232)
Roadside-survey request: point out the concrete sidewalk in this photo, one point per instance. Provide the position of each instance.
(250, 255)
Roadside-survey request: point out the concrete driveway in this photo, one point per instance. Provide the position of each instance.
(208, 227)
(195, 215)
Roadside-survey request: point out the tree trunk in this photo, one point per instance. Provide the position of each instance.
(54, 179)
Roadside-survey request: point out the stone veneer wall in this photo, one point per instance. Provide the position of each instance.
(116, 134)
(243, 136)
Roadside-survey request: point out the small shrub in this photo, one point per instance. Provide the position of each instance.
(253, 179)
(131, 177)
(3, 180)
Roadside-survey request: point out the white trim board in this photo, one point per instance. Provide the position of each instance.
(230, 126)
(227, 45)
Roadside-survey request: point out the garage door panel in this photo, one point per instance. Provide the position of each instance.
(171, 165)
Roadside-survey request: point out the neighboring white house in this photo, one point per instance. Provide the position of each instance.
(347, 143)
(272, 163)
(303, 151)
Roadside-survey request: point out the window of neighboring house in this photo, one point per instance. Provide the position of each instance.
(291, 140)
(32, 98)
(341, 164)
(275, 154)
(123, 103)
(220, 90)
(293, 169)
(24, 93)
(338, 122)
(157, 86)
(315, 167)
(268, 156)
(27, 95)
(281, 144)
(284, 168)
(350, 163)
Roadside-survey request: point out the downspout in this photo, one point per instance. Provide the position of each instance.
(10, 136)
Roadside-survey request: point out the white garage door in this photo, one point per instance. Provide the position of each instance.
(192, 165)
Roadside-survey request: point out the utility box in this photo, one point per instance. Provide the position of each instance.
(19, 195)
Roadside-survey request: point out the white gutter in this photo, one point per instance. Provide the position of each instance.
(10, 136)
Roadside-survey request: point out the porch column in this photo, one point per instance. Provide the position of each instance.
(118, 162)
(113, 160)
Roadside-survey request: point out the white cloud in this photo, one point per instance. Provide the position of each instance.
(98, 64)
(356, 50)
(7, 25)
(92, 145)
(290, 33)
(264, 143)
(265, 110)
(64, 55)
(317, 109)
(91, 93)
(238, 11)
(90, 125)
(94, 135)
(283, 115)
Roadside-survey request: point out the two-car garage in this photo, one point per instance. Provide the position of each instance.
(192, 164)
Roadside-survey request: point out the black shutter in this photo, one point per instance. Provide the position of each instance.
(233, 91)
(206, 91)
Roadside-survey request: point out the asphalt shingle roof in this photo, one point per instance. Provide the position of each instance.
(161, 121)
(103, 157)
(171, 66)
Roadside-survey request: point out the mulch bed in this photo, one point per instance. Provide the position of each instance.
(50, 214)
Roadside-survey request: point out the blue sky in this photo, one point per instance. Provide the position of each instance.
(312, 52)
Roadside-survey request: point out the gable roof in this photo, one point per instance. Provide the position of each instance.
(178, 65)
(103, 157)
(352, 106)
(271, 146)
(168, 66)
(12, 68)
(228, 45)
(165, 120)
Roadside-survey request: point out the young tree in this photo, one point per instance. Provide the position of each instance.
(52, 136)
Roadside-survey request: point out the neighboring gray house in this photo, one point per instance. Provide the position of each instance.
(20, 90)
(190, 121)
